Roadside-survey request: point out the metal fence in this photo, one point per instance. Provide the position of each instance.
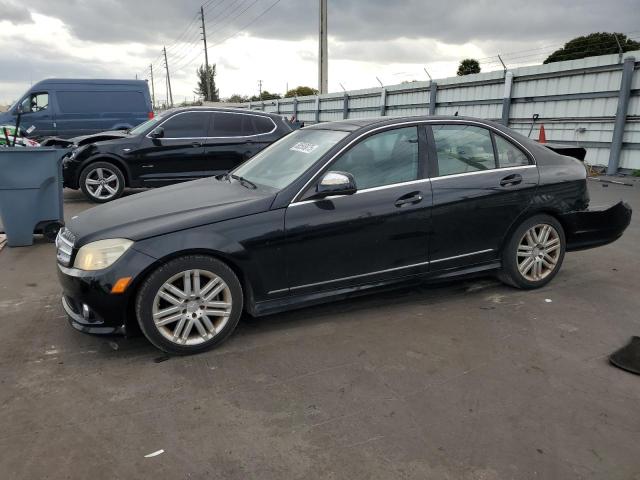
(592, 102)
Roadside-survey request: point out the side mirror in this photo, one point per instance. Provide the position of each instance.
(19, 109)
(157, 132)
(336, 183)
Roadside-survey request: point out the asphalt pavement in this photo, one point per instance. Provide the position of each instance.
(468, 380)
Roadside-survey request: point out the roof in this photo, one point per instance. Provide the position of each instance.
(224, 109)
(356, 124)
(108, 81)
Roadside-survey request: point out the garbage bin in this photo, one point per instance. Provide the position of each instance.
(30, 193)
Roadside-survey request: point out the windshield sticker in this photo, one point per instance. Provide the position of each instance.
(304, 147)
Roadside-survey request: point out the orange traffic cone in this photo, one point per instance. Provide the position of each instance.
(542, 138)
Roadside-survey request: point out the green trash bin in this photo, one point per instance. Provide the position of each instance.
(31, 193)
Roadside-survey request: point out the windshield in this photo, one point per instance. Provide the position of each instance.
(146, 125)
(280, 164)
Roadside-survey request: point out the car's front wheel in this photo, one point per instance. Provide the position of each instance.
(189, 305)
(102, 182)
(534, 253)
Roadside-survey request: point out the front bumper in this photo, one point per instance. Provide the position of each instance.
(597, 227)
(87, 299)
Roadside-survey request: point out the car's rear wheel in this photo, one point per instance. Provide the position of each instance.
(189, 305)
(534, 253)
(102, 182)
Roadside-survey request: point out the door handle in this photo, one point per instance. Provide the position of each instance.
(196, 144)
(409, 199)
(513, 179)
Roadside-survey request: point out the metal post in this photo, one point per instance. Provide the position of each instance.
(383, 102)
(433, 95)
(166, 65)
(621, 115)
(277, 106)
(506, 99)
(153, 89)
(345, 106)
(206, 57)
(295, 109)
(323, 63)
(318, 109)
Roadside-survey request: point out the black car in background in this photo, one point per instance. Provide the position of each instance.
(329, 211)
(178, 145)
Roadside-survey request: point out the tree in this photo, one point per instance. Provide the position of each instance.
(237, 98)
(266, 95)
(301, 91)
(592, 45)
(202, 83)
(468, 66)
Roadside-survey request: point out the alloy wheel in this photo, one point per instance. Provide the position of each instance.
(538, 252)
(102, 183)
(192, 307)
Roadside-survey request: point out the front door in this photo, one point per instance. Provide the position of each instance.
(37, 115)
(482, 182)
(379, 233)
(177, 156)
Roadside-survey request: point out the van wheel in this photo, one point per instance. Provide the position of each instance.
(534, 253)
(102, 182)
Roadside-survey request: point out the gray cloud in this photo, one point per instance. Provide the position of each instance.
(14, 12)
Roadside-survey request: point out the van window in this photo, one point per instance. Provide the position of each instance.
(35, 102)
(101, 101)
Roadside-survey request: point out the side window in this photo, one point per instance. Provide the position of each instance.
(262, 125)
(227, 124)
(463, 149)
(382, 159)
(36, 102)
(508, 154)
(186, 125)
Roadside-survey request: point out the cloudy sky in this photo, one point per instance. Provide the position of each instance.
(276, 40)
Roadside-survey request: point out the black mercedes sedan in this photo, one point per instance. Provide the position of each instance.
(328, 212)
(179, 145)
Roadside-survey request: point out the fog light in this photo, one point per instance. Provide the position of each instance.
(85, 311)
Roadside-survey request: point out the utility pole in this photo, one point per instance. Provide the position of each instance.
(323, 60)
(260, 89)
(166, 65)
(153, 88)
(206, 56)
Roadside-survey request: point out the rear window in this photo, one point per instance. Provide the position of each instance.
(101, 102)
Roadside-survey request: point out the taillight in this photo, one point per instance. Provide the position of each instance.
(151, 115)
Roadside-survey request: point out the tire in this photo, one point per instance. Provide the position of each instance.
(167, 306)
(526, 262)
(102, 182)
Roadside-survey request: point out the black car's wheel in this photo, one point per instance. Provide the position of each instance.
(534, 253)
(102, 182)
(189, 305)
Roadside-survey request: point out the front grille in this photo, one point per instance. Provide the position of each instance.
(64, 246)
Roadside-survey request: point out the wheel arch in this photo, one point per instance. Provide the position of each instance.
(104, 157)
(131, 323)
(527, 214)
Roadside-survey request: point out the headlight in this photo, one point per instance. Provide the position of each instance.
(101, 254)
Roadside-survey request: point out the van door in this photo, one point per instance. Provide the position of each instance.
(37, 112)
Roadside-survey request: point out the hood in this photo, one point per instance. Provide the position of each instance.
(169, 209)
(98, 137)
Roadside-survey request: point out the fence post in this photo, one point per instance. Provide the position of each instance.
(345, 106)
(621, 115)
(318, 109)
(249, 104)
(506, 99)
(433, 96)
(383, 102)
(295, 109)
(277, 106)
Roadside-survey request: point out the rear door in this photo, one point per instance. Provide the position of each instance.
(233, 138)
(482, 182)
(178, 156)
